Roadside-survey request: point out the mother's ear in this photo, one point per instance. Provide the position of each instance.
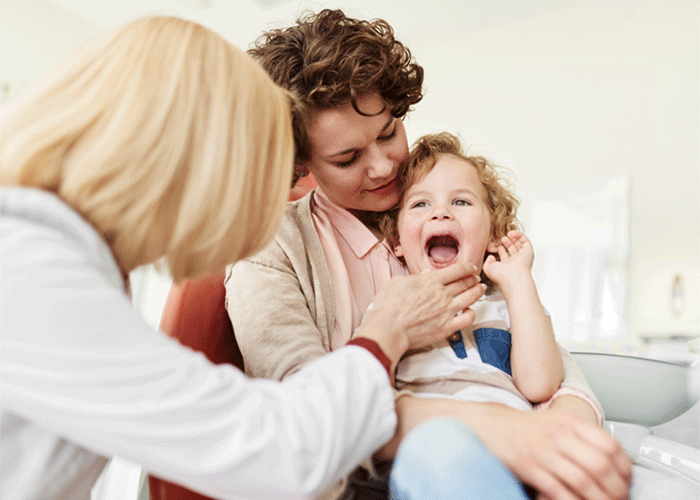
(299, 172)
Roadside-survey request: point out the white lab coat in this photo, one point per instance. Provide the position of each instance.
(84, 377)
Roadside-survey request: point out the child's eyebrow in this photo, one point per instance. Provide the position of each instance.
(416, 193)
(465, 190)
(456, 191)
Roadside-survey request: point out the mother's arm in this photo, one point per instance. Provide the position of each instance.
(561, 451)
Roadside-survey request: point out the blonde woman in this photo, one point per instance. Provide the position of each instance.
(143, 147)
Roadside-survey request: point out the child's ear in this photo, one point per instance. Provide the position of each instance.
(493, 245)
(397, 249)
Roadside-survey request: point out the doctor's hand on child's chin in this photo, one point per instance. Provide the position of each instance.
(421, 309)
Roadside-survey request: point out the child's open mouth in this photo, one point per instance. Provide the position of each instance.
(442, 250)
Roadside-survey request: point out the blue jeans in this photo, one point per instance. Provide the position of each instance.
(443, 459)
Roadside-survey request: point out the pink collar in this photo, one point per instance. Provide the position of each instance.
(358, 237)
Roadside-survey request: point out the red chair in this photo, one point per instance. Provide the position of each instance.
(195, 314)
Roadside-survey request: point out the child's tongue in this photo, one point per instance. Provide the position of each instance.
(442, 254)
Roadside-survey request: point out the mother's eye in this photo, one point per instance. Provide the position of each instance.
(348, 162)
(388, 136)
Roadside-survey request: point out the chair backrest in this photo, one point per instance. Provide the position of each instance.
(640, 391)
(195, 314)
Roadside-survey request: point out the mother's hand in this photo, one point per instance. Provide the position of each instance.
(419, 310)
(560, 454)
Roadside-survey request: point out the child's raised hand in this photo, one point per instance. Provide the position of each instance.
(515, 255)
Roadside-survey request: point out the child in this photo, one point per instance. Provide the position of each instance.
(457, 208)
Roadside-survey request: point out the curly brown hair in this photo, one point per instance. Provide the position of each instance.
(425, 152)
(327, 59)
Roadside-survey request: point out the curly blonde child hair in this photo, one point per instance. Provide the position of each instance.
(425, 152)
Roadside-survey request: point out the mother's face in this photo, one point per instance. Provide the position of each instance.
(355, 158)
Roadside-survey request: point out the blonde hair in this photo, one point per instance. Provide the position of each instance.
(425, 152)
(167, 139)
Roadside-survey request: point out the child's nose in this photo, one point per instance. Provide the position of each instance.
(441, 213)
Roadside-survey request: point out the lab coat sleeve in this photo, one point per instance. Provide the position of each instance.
(79, 361)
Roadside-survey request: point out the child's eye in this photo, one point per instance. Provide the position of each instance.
(462, 202)
(419, 204)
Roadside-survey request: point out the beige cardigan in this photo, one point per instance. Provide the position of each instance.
(281, 303)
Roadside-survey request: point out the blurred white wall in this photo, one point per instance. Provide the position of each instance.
(561, 92)
(35, 35)
(597, 89)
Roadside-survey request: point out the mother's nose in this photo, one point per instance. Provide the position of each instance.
(380, 163)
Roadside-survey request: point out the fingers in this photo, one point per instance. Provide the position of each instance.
(455, 279)
(462, 291)
(549, 486)
(606, 461)
(608, 446)
(423, 307)
(566, 458)
(506, 249)
(462, 303)
(515, 248)
(453, 272)
(458, 286)
(503, 252)
(517, 236)
(462, 321)
(457, 289)
(572, 478)
(512, 243)
(591, 464)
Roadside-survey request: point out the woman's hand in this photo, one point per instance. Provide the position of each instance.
(561, 454)
(419, 310)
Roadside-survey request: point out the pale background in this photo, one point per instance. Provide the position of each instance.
(575, 97)
(562, 92)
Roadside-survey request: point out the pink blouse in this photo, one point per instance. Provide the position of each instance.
(359, 264)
